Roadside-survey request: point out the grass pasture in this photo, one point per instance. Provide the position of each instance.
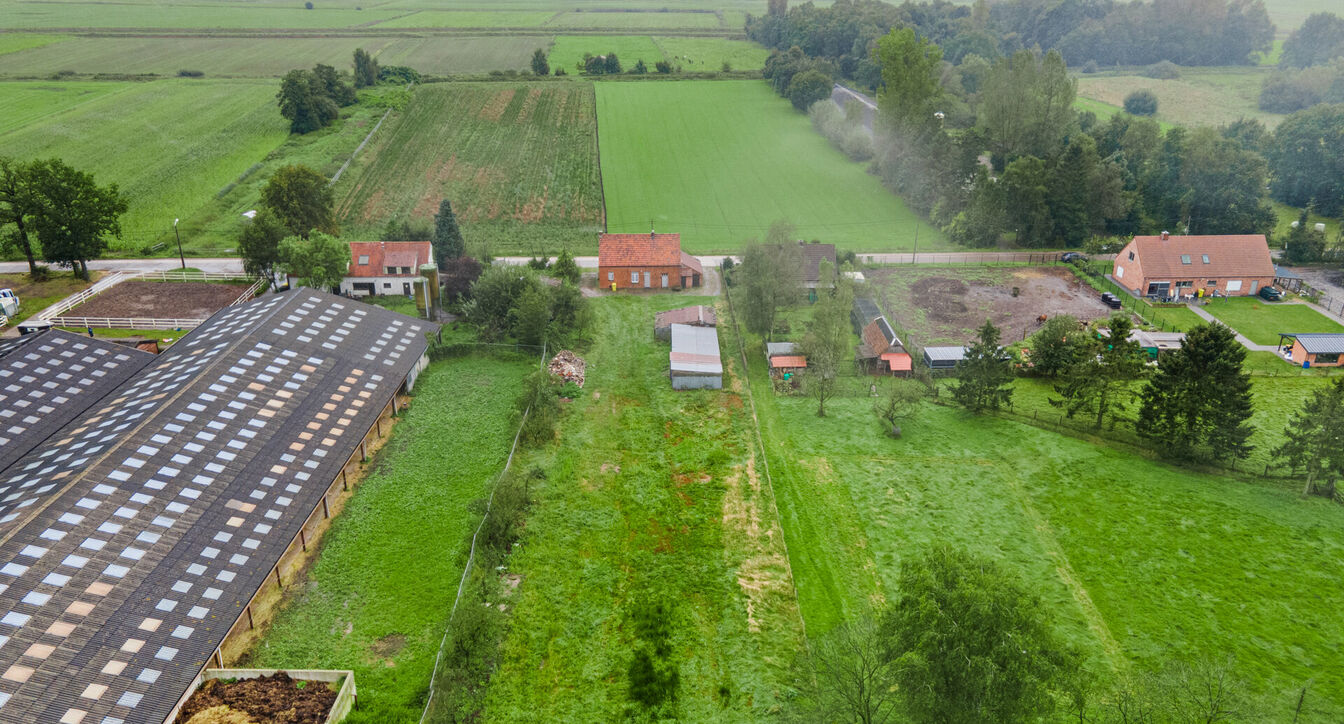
(170, 145)
(469, 19)
(1261, 321)
(650, 492)
(517, 160)
(709, 54)
(36, 296)
(568, 50)
(1200, 97)
(378, 595)
(14, 42)
(704, 158)
(266, 56)
(640, 20)
(95, 15)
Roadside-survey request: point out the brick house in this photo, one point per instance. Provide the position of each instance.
(385, 267)
(1314, 350)
(1169, 267)
(645, 261)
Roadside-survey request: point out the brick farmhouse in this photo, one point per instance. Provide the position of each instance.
(1168, 266)
(645, 261)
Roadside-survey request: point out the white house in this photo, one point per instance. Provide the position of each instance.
(385, 267)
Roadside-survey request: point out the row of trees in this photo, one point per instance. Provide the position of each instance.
(312, 99)
(54, 212)
(1105, 32)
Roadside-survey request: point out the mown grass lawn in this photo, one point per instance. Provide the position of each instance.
(378, 596)
(719, 161)
(1136, 562)
(650, 493)
(1262, 321)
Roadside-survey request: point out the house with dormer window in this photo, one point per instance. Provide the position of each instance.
(1183, 267)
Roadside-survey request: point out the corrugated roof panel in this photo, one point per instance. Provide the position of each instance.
(1322, 343)
(695, 349)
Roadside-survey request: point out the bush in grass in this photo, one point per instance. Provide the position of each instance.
(662, 66)
(1141, 103)
(1162, 70)
(191, 73)
(542, 407)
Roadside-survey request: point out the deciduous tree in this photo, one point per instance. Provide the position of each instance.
(75, 215)
(856, 678)
(1200, 397)
(366, 69)
(1314, 440)
(984, 377)
(1058, 345)
(319, 261)
(807, 88)
(18, 206)
(970, 644)
(1318, 41)
(770, 279)
(304, 103)
(259, 245)
(540, 66)
(565, 268)
(301, 199)
(1307, 157)
(826, 344)
(899, 400)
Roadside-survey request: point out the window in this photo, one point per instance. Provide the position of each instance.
(1185, 258)
(405, 270)
(1327, 359)
(1234, 285)
(611, 276)
(1206, 258)
(387, 285)
(363, 259)
(1131, 256)
(1119, 272)
(390, 270)
(634, 277)
(1184, 285)
(1213, 282)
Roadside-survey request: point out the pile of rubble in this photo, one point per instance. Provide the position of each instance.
(568, 367)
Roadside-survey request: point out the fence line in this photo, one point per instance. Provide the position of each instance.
(75, 300)
(126, 322)
(183, 275)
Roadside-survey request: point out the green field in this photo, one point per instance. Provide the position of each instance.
(1136, 562)
(1261, 321)
(650, 492)
(719, 161)
(568, 50)
(1289, 214)
(1200, 97)
(170, 145)
(518, 161)
(468, 19)
(15, 42)
(267, 56)
(635, 20)
(39, 15)
(377, 598)
(709, 54)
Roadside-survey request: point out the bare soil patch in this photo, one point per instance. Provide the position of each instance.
(160, 300)
(275, 698)
(945, 305)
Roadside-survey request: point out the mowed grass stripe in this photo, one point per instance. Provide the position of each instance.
(719, 161)
(169, 145)
(32, 103)
(510, 156)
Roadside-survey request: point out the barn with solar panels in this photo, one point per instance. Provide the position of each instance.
(136, 535)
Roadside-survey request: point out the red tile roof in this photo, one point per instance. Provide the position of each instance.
(790, 360)
(879, 337)
(639, 250)
(898, 361)
(1245, 255)
(382, 254)
(690, 262)
(699, 315)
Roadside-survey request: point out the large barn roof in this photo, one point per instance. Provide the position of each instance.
(134, 537)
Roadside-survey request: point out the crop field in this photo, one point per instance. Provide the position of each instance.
(182, 142)
(14, 42)
(41, 15)
(704, 158)
(946, 305)
(468, 19)
(266, 56)
(1261, 321)
(650, 493)
(1138, 563)
(518, 161)
(33, 104)
(378, 596)
(1200, 97)
(636, 20)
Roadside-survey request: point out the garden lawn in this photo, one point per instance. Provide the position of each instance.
(650, 493)
(1136, 562)
(517, 160)
(719, 161)
(1262, 321)
(170, 146)
(568, 50)
(379, 594)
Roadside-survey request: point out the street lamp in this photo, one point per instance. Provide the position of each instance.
(179, 244)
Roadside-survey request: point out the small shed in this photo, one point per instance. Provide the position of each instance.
(1314, 350)
(694, 360)
(696, 316)
(943, 358)
(1157, 343)
(1285, 278)
(778, 349)
(788, 364)
(864, 311)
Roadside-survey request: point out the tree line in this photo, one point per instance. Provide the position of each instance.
(1103, 32)
(313, 99)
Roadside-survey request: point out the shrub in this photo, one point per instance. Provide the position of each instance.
(560, 71)
(1162, 70)
(190, 73)
(663, 67)
(1090, 67)
(308, 5)
(1141, 103)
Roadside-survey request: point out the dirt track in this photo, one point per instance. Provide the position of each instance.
(160, 300)
(944, 305)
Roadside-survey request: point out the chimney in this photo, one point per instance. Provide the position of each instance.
(1166, 236)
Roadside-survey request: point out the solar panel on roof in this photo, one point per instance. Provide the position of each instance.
(138, 536)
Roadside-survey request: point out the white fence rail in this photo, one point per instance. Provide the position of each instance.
(249, 293)
(74, 300)
(126, 322)
(182, 275)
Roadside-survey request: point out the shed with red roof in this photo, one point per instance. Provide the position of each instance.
(645, 261)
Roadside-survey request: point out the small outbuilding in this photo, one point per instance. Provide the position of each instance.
(812, 257)
(1157, 344)
(882, 351)
(696, 316)
(1314, 350)
(694, 361)
(1285, 278)
(781, 349)
(943, 358)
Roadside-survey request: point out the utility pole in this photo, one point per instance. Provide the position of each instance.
(179, 244)
(916, 251)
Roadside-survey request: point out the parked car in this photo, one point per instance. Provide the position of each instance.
(1271, 294)
(1072, 256)
(9, 303)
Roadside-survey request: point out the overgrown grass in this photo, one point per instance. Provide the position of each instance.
(704, 158)
(652, 493)
(1200, 97)
(1262, 321)
(709, 54)
(36, 296)
(379, 594)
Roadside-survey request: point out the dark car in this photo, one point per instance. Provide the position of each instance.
(1072, 256)
(1271, 294)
